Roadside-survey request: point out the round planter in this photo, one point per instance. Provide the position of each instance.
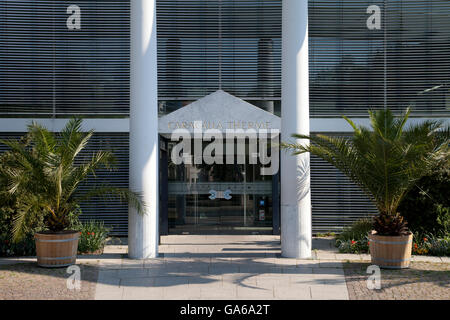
(391, 252)
(56, 249)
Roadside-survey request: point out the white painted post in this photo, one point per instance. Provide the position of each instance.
(295, 170)
(143, 231)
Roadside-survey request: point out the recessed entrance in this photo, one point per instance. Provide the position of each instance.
(235, 195)
(219, 199)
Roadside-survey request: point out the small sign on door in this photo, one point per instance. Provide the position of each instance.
(220, 194)
(262, 215)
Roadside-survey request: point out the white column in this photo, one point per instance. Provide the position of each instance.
(144, 151)
(295, 170)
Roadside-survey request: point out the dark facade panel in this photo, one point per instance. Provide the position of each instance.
(47, 69)
(336, 202)
(232, 45)
(405, 63)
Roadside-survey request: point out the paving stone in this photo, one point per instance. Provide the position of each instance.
(330, 264)
(254, 293)
(239, 279)
(110, 263)
(347, 256)
(325, 292)
(217, 293)
(223, 269)
(273, 281)
(365, 257)
(189, 293)
(298, 270)
(105, 274)
(205, 281)
(298, 292)
(302, 280)
(148, 263)
(108, 289)
(138, 282)
(307, 263)
(132, 273)
(426, 259)
(171, 281)
(328, 271)
(115, 249)
(258, 269)
(108, 293)
(143, 293)
(445, 259)
(324, 255)
(132, 263)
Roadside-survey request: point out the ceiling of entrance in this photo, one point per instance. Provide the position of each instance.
(221, 111)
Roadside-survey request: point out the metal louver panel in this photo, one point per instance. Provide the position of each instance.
(113, 212)
(234, 45)
(406, 62)
(47, 69)
(336, 201)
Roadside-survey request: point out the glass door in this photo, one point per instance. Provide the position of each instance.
(219, 199)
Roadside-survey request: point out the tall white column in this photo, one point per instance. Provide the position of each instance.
(144, 151)
(295, 170)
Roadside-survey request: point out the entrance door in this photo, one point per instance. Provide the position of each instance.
(219, 199)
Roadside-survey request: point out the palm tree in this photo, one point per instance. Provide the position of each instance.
(43, 174)
(386, 162)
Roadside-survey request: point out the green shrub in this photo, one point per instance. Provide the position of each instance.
(354, 239)
(426, 207)
(357, 231)
(93, 236)
(431, 245)
(353, 246)
(26, 246)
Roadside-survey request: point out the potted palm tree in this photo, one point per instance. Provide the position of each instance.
(43, 172)
(386, 161)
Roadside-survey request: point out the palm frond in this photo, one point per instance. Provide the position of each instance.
(385, 161)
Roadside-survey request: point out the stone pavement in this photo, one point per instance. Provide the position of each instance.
(221, 267)
(422, 280)
(237, 267)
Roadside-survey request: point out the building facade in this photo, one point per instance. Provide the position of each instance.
(228, 62)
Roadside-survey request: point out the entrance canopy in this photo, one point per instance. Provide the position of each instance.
(221, 111)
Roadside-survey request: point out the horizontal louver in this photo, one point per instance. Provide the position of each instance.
(406, 62)
(47, 69)
(336, 202)
(234, 45)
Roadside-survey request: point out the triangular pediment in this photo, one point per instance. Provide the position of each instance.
(219, 110)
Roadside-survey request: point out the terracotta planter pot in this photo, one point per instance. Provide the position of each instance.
(56, 249)
(391, 252)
